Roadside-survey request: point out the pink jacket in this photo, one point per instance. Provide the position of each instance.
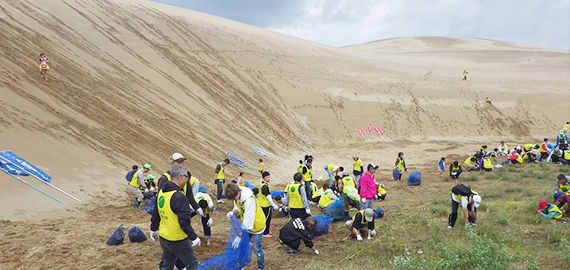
(367, 186)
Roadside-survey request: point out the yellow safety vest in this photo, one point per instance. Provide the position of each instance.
(135, 180)
(519, 158)
(183, 189)
(308, 175)
(330, 167)
(347, 182)
(242, 182)
(487, 164)
(557, 210)
(362, 222)
(454, 169)
(263, 202)
(542, 147)
(381, 191)
(356, 165)
(458, 197)
(315, 190)
(221, 173)
(260, 168)
(199, 198)
(169, 227)
(566, 154)
(564, 188)
(295, 199)
(325, 199)
(259, 221)
(528, 146)
(400, 165)
(192, 180)
(468, 161)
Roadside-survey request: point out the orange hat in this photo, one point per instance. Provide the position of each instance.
(542, 204)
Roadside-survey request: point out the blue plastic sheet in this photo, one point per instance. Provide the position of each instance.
(232, 259)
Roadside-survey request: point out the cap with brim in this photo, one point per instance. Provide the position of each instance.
(372, 166)
(147, 166)
(476, 200)
(150, 177)
(542, 204)
(369, 215)
(558, 196)
(176, 156)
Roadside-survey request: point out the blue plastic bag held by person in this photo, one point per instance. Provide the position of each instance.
(238, 250)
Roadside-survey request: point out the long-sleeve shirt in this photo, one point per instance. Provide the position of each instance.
(295, 230)
(179, 206)
(368, 186)
(557, 184)
(189, 189)
(250, 206)
(302, 191)
(358, 221)
(140, 176)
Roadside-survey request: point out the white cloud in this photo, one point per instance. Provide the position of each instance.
(345, 22)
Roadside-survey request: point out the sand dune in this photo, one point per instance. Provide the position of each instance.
(131, 82)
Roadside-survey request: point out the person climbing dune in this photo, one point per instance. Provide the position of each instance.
(44, 66)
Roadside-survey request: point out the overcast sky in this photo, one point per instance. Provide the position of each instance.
(541, 23)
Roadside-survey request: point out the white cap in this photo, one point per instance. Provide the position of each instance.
(476, 200)
(176, 156)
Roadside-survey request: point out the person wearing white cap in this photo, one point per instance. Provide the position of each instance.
(469, 200)
(362, 223)
(178, 159)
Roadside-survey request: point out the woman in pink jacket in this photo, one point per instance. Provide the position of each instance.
(368, 187)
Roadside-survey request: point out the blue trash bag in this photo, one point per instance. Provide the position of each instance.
(117, 237)
(322, 226)
(248, 185)
(149, 209)
(550, 145)
(148, 202)
(395, 174)
(275, 193)
(232, 259)
(336, 209)
(202, 189)
(415, 179)
(136, 235)
(378, 213)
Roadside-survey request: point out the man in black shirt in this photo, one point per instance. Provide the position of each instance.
(294, 231)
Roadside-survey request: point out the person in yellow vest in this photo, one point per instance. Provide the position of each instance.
(295, 198)
(549, 210)
(332, 171)
(261, 168)
(515, 158)
(564, 157)
(170, 223)
(307, 177)
(151, 186)
(205, 203)
(327, 197)
(503, 149)
(266, 202)
(566, 128)
(544, 151)
(220, 175)
(314, 193)
(357, 169)
(400, 165)
(346, 182)
(455, 170)
(562, 184)
(240, 181)
(247, 207)
(469, 201)
(470, 164)
(465, 75)
(362, 223)
(380, 192)
(174, 160)
(137, 184)
(486, 165)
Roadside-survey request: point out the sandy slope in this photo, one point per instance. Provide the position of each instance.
(131, 82)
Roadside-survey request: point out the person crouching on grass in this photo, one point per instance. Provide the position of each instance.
(362, 223)
(294, 231)
(549, 210)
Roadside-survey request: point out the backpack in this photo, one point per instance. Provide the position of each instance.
(461, 190)
(130, 174)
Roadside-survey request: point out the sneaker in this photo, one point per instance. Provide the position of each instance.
(293, 251)
(449, 227)
(137, 204)
(269, 235)
(220, 201)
